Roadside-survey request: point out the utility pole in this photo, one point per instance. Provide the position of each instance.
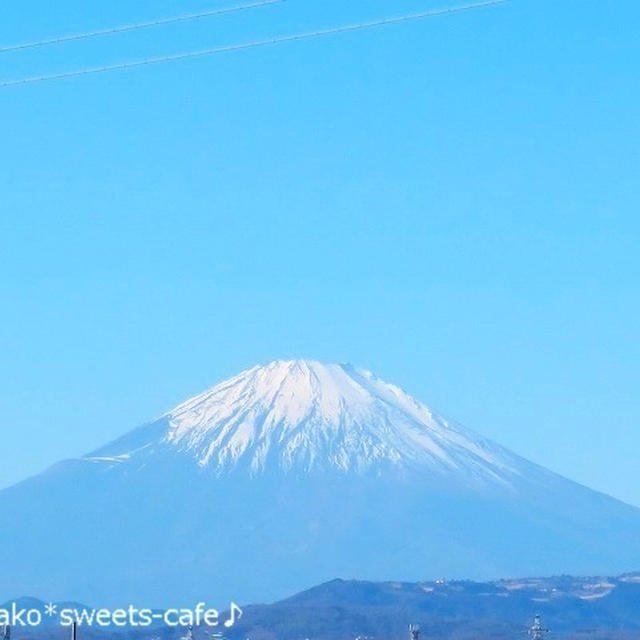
(189, 634)
(537, 631)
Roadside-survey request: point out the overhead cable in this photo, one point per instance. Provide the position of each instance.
(252, 45)
(135, 26)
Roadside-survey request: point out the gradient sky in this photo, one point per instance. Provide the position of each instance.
(453, 204)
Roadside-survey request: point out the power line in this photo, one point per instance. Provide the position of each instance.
(253, 45)
(136, 26)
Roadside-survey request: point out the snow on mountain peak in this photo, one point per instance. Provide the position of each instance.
(304, 415)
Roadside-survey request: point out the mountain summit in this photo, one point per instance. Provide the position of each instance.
(306, 416)
(291, 474)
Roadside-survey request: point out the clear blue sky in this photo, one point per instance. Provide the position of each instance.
(453, 204)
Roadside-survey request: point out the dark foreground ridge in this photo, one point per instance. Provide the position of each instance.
(593, 608)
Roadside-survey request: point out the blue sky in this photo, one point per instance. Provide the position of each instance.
(451, 203)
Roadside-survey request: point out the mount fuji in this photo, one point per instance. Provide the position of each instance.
(291, 474)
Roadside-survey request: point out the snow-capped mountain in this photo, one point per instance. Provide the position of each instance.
(304, 416)
(290, 474)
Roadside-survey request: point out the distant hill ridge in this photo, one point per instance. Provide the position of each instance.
(587, 608)
(572, 607)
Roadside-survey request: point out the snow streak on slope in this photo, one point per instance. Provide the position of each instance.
(304, 416)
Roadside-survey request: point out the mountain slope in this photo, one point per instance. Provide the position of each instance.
(288, 475)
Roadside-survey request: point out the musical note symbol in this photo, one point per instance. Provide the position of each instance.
(236, 612)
